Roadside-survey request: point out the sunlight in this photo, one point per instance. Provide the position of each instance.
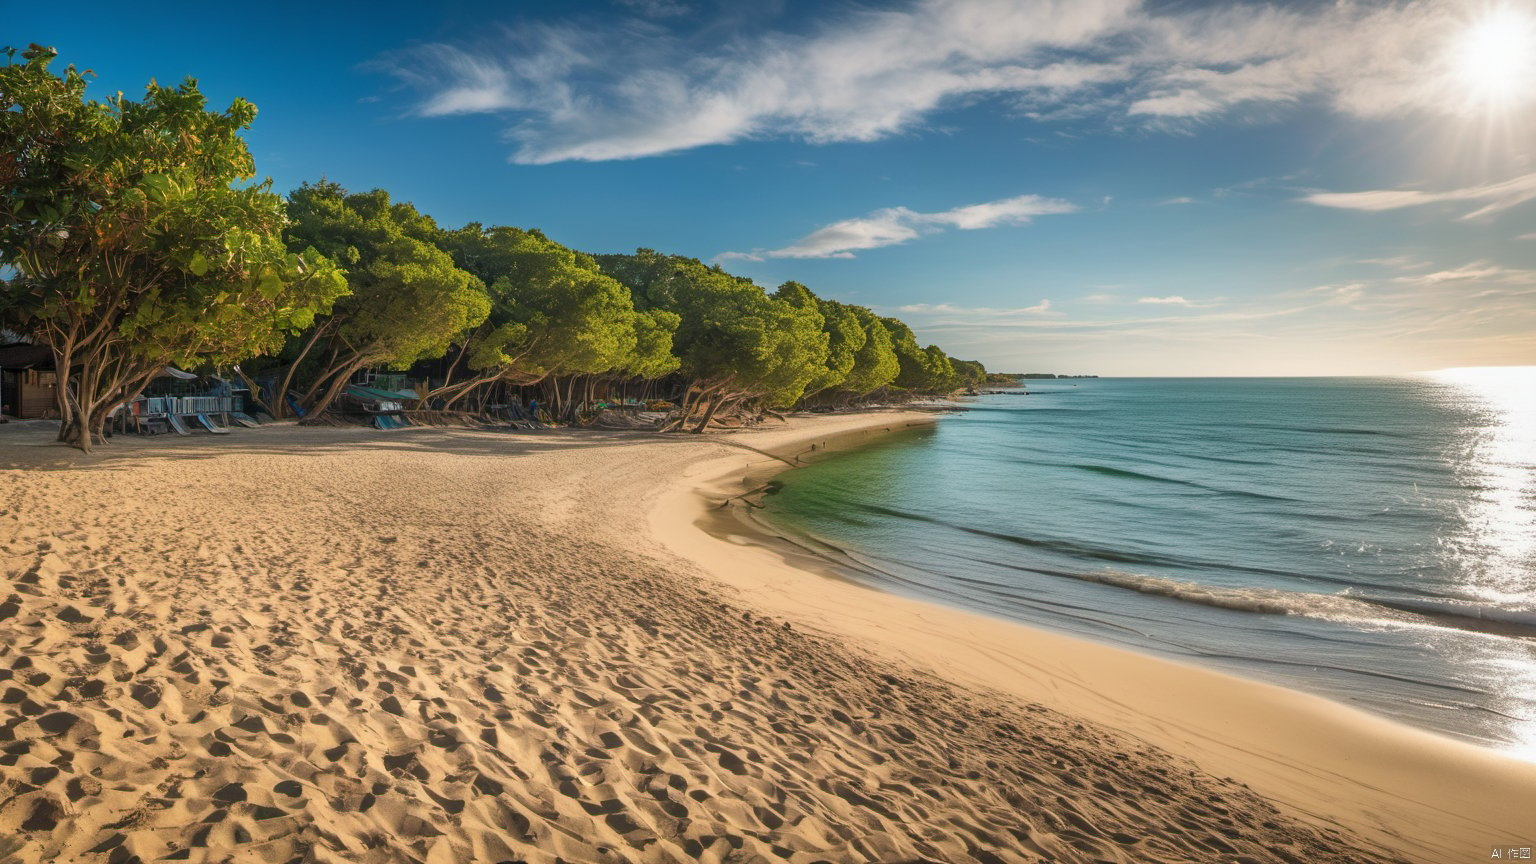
(1518, 675)
(1499, 459)
(1495, 58)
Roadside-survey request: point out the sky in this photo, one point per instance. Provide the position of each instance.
(1075, 186)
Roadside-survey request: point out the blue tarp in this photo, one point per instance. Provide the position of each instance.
(371, 394)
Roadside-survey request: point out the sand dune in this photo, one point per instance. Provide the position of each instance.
(334, 645)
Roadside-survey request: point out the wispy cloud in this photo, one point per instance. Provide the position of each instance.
(895, 225)
(1041, 308)
(1478, 313)
(1477, 271)
(1493, 196)
(1177, 300)
(629, 87)
(1397, 262)
(1182, 199)
(1100, 299)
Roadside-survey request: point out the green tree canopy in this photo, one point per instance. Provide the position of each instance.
(875, 364)
(733, 341)
(969, 373)
(939, 372)
(130, 242)
(555, 311)
(654, 331)
(408, 299)
(844, 334)
(922, 370)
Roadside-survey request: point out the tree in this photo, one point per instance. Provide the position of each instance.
(939, 372)
(131, 247)
(653, 357)
(733, 341)
(922, 370)
(845, 335)
(555, 314)
(875, 364)
(408, 300)
(912, 361)
(970, 373)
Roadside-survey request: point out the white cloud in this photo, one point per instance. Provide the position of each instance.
(1040, 308)
(840, 239)
(1493, 196)
(1009, 211)
(1484, 317)
(1182, 199)
(862, 77)
(895, 225)
(1165, 301)
(1397, 262)
(598, 89)
(743, 256)
(1477, 271)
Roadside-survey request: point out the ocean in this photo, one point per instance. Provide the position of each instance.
(1371, 540)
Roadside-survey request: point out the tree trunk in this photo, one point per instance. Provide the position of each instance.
(63, 360)
(342, 378)
(328, 368)
(280, 398)
(682, 411)
(709, 414)
(423, 402)
(79, 429)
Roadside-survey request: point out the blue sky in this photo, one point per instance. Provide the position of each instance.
(1080, 186)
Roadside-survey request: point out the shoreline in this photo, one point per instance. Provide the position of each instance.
(1424, 795)
(443, 645)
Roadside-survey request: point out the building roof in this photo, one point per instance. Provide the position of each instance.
(24, 355)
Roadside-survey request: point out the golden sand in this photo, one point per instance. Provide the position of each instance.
(446, 645)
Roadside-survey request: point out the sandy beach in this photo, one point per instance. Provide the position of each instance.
(445, 645)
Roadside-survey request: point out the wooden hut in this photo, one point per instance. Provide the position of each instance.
(28, 383)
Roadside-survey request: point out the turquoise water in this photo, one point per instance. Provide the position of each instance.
(1370, 540)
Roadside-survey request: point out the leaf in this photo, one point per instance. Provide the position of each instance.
(198, 265)
(158, 184)
(270, 285)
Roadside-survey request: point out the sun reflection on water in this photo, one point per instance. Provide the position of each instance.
(1497, 459)
(1495, 554)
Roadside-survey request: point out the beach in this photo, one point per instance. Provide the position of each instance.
(295, 644)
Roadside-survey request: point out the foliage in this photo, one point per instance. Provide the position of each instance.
(130, 244)
(845, 335)
(553, 310)
(132, 237)
(653, 357)
(408, 300)
(969, 373)
(733, 340)
(875, 364)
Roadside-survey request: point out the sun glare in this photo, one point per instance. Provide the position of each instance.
(1495, 57)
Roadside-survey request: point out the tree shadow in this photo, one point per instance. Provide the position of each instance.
(31, 446)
